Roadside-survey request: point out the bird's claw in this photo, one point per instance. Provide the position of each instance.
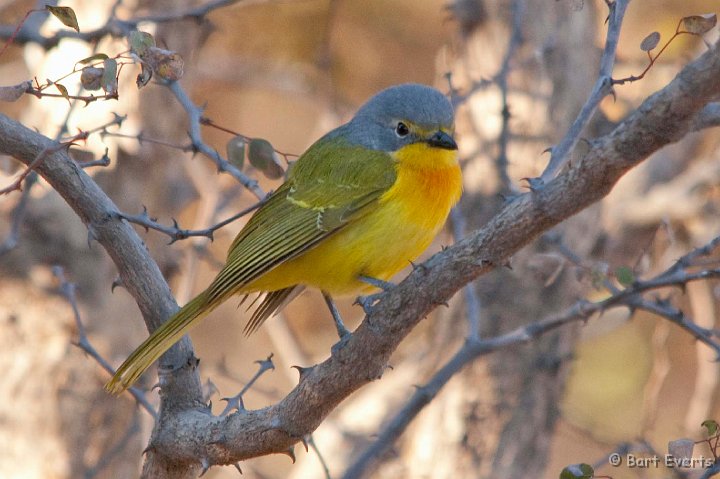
(368, 302)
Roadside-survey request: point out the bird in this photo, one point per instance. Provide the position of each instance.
(358, 206)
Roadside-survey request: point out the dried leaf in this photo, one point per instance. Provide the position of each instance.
(63, 91)
(681, 448)
(13, 93)
(236, 151)
(144, 76)
(262, 156)
(109, 78)
(66, 15)
(140, 42)
(167, 64)
(94, 58)
(91, 78)
(699, 24)
(650, 42)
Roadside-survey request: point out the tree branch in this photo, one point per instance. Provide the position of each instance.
(188, 435)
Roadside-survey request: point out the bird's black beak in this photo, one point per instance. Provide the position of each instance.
(440, 139)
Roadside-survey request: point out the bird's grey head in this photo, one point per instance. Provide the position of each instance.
(401, 115)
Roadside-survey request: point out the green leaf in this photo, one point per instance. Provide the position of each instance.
(109, 78)
(625, 275)
(13, 93)
(699, 24)
(711, 425)
(140, 42)
(94, 58)
(262, 156)
(650, 42)
(66, 15)
(578, 471)
(236, 151)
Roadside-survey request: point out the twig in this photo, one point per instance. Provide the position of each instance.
(501, 162)
(67, 290)
(114, 26)
(114, 451)
(18, 215)
(580, 311)
(194, 115)
(102, 161)
(235, 402)
(17, 184)
(712, 471)
(311, 442)
(472, 301)
(603, 86)
(208, 122)
(175, 232)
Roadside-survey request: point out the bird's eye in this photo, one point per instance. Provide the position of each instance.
(401, 129)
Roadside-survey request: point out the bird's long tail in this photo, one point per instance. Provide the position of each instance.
(160, 341)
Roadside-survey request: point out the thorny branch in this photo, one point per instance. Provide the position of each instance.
(194, 116)
(236, 402)
(187, 437)
(630, 297)
(114, 27)
(559, 154)
(175, 232)
(67, 290)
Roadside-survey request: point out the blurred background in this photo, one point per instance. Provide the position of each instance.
(288, 71)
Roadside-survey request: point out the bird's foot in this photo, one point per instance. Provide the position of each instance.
(368, 301)
(344, 338)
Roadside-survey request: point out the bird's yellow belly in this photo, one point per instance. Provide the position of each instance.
(406, 220)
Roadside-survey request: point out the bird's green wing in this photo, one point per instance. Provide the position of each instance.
(332, 184)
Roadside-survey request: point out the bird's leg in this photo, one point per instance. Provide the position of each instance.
(341, 329)
(369, 300)
(377, 282)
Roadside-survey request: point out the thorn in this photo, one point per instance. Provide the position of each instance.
(420, 266)
(91, 235)
(303, 371)
(266, 364)
(441, 303)
(205, 466)
(304, 441)
(368, 302)
(235, 402)
(193, 362)
(237, 466)
(535, 184)
(290, 452)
